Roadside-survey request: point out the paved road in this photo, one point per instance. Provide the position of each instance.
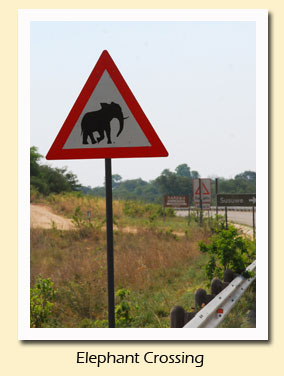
(242, 217)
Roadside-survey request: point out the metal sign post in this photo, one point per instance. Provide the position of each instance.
(216, 193)
(200, 202)
(226, 217)
(253, 222)
(109, 228)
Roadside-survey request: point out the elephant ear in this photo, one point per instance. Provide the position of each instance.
(104, 105)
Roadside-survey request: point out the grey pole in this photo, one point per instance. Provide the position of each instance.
(200, 201)
(216, 191)
(109, 228)
(253, 222)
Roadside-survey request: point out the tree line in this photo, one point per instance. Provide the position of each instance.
(46, 180)
(177, 182)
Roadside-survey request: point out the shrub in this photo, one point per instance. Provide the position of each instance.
(41, 302)
(122, 309)
(140, 209)
(228, 249)
(123, 318)
(34, 194)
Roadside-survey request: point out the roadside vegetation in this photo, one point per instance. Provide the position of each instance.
(159, 261)
(155, 268)
(46, 180)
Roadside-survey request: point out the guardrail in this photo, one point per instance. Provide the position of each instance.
(220, 208)
(217, 306)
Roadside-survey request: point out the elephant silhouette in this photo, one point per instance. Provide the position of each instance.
(99, 121)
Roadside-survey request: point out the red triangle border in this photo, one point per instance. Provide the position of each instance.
(156, 149)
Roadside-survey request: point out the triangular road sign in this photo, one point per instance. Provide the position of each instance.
(205, 192)
(106, 121)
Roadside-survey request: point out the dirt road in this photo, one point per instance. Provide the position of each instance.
(42, 217)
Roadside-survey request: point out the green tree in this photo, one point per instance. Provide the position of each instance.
(247, 175)
(195, 174)
(175, 183)
(34, 159)
(116, 180)
(46, 179)
(183, 170)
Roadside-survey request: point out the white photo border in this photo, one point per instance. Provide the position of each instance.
(25, 17)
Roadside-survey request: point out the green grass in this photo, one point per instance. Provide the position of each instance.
(176, 287)
(242, 315)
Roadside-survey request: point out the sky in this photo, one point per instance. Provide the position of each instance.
(195, 81)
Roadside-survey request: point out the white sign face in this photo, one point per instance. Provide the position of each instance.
(176, 201)
(204, 206)
(90, 130)
(205, 191)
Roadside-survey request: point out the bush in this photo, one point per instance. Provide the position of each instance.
(140, 209)
(228, 250)
(122, 309)
(41, 302)
(34, 194)
(123, 318)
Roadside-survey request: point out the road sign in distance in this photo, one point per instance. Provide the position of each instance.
(246, 199)
(205, 191)
(176, 201)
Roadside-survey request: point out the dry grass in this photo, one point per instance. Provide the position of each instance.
(66, 203)
(140, 258)
(150, 259)
(77, 265)
(65, 255)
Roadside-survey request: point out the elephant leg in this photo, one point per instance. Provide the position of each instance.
(108, 134)
(85, 136)
(102, 136)
(90, 134)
